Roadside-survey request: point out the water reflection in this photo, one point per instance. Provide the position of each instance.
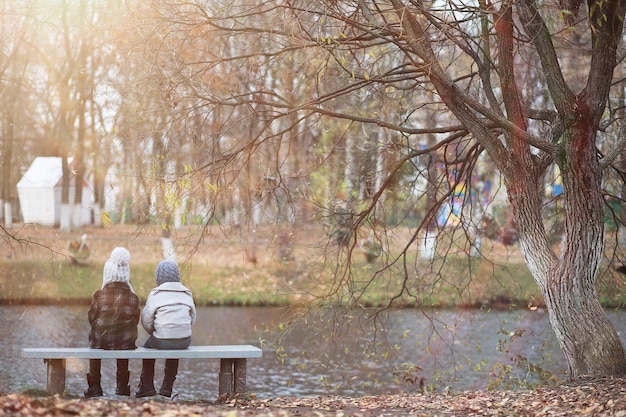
(460, 350)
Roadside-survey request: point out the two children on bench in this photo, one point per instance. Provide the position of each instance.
(114, 314)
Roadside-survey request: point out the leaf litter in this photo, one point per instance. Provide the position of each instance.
(583, 397)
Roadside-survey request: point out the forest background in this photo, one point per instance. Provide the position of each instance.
(402, 131)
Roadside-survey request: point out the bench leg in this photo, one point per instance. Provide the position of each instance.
(56, 376)
(240, 375)
(232, 377)
(226, 377)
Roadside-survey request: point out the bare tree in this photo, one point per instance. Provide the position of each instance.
(521, 136)
(467, 59)
(20, 76)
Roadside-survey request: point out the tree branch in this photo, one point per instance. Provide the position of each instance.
(540, 37)
(618, 149)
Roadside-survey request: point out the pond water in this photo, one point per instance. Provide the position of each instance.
(330, 353)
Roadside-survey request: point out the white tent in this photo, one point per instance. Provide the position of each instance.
(39, 192)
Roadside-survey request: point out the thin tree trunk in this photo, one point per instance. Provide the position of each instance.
(7, 167)
(349, 171)
(621, 228)
(66, 208)
(81, 98)
(428, 238)
(381, 173)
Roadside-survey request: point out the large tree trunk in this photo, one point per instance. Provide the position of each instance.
(589, 341)
(587, 338)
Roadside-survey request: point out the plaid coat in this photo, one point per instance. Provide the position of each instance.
(113, 316)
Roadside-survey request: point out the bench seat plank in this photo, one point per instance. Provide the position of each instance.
(192, 352)
(232, 377)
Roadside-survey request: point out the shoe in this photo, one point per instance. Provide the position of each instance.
(146, 381)
(122, 383)
(123, 390)
(94, 390)
(171, 369)
(145, 391)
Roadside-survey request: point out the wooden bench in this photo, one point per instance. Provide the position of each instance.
(232, 376)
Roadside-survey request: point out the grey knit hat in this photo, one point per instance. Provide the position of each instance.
(166, 271)
(117, 267)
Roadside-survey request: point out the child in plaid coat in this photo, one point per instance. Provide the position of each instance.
(113, 316)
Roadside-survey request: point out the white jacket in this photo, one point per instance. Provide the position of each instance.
(169, 312)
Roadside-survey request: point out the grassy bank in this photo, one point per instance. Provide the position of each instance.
(240, 270)
(477, 284)
(61, 282)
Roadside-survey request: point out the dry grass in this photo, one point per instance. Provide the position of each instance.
(237, 266)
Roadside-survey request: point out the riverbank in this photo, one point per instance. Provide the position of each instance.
(585, 397)
(236, 267)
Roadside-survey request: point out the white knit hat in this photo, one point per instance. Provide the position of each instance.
(117, 268)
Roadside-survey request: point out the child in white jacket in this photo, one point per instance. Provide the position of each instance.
(167, 317)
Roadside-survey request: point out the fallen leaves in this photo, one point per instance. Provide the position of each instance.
(593, 397)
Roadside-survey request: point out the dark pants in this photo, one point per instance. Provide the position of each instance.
(155, 343)
(171, 365)
(95, 365)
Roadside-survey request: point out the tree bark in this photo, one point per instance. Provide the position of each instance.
(587, 338)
